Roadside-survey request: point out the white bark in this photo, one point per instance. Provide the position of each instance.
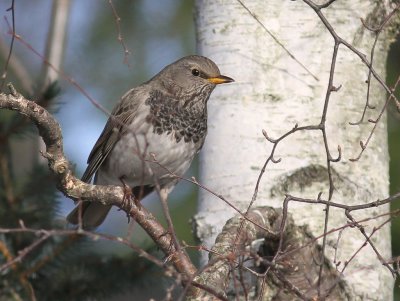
(56, 40)
(55, 49)
(273, 92)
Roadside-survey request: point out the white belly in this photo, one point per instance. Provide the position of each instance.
(132, 159)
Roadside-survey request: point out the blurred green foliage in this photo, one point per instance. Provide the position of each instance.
(153, 31)
(393, 73)
(74, 268)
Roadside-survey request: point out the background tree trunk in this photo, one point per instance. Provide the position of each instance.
(274, 92)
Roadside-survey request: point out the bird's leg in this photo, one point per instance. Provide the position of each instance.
(168, 235)
(163, 193)
(138, 195)
(127, 199)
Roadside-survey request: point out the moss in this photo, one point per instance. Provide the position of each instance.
(301, 179)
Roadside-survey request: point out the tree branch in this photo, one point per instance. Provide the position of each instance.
(297, 272)
(73, 188)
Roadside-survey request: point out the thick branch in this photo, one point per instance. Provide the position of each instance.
(228, 247)
(73, 188)
(288, 275)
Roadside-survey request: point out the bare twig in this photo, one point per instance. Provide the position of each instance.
(72, 187)
(4, 75)
(277, 40)
(120, 39)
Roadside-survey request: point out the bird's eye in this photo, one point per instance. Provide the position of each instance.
(195, 72)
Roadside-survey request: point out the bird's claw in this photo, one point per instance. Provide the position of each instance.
(127, 200)
(165, 233)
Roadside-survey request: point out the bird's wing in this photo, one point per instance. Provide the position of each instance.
(122, 115)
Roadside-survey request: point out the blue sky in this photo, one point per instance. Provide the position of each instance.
(80, 121)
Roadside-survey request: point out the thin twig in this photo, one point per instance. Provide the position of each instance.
(4, 75)
(277, 40)
(120, 39)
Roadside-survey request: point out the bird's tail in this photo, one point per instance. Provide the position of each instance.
(93, 214)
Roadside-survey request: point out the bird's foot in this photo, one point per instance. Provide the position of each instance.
(127, 200)
(165, 233)
(172, 249)
(168, 235)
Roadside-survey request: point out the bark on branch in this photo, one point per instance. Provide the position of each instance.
(289, 269)
(74, 188)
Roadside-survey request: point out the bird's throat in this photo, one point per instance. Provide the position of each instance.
(167, 115)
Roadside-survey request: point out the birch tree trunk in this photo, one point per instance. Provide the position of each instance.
(274, 92)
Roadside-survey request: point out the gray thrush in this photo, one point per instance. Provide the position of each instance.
(152, 134)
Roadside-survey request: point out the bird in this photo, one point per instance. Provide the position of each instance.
(152, 134)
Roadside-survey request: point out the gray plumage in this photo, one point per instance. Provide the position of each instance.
(165, 117)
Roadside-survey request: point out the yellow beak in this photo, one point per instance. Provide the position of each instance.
(220, 79)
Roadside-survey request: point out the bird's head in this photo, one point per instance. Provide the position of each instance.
(192, 76)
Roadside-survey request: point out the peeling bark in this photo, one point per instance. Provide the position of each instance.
(276, 93)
